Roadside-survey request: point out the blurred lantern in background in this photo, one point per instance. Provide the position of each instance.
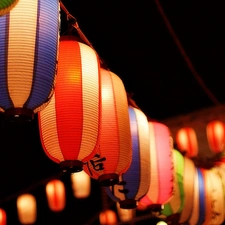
(81, 184)
(56, 195)
(29, 41)
(6, 6)
(3, 217)
(107, 217)
(70, 124)
(161, 186)
(134, 183)
(113, 157)
(186, 141)
(27, 209)
(215, 131)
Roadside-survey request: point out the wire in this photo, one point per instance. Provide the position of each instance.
(186, 58)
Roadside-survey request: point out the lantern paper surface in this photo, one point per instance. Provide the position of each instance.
(161, 166)
(6, 6)
(134, 183)
(29, 40)
(113, 157)
(3, 217)
(187, 143)
(56, 195)
(70, 124)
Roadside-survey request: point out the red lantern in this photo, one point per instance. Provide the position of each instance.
(107, 217)
(55, 192)
(215, 131)
(186, 140)
(70, 124)
(113, 157)
(2, 217)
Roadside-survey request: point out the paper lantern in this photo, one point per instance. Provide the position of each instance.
(6, 6)
(56, 196)
(134, 183)
(70, 124)
(215, 131)
(107, 217)
(3, 217)
(29, 41)
(113, 157)
(161, 166)
(26, 209)
(81, 184)
(186, 141)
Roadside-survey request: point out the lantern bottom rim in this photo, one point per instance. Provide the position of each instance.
(71, 166)
(19, 114)
(128, 204)
(108, 179)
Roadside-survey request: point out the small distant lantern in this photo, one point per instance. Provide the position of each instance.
(186, 141)
(81, 184)
(29, 40)
(113, 157)
(3, 217)
(27, 209)
(107, 217)
(134, 183)
(56, 195)
(161, 184)
(70, 124)
(6, 6)
(215, 131)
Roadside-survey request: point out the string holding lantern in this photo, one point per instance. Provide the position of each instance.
(70, 124)
(29, 40)
(3, 217)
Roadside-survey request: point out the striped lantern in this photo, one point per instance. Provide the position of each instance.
(186, 141)
(188, 185)
(176, 204)
(3, 217)
(70, 124)
(6, 6)
(56, 195)
(134, 183)
(161, 187)
(113, 157)
(29, 40)
(215, 131)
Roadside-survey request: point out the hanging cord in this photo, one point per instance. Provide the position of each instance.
(183, 53)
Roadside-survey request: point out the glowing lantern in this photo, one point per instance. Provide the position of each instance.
(134, 183)
(6, 6)
(29, 41)
(107, 217)
(81, 184)
(55, 192)
(125, 215)
(113, 157)
(186, 140)
(27, 209)
(161, 186)
(215, 131)
(69, 125)
(3, 217)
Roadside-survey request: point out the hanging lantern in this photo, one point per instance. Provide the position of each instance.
(69, 125)
(6, 6)
(188, 185)
(161, 166)
(113, 157)
(81, 184)
(125, 215)
(29, 41)
(186, 140)
(27, 209)
(215, 131)
(55, 192)
(107, 217)
(2, 217)
(134, 183)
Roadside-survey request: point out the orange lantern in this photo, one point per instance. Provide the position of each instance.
(70, 124)
(107, 217)
(3, 217)
(186, 140)
(27, 209)
(55, 192)
(6, 6)
(215, 131)
(113, 157)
